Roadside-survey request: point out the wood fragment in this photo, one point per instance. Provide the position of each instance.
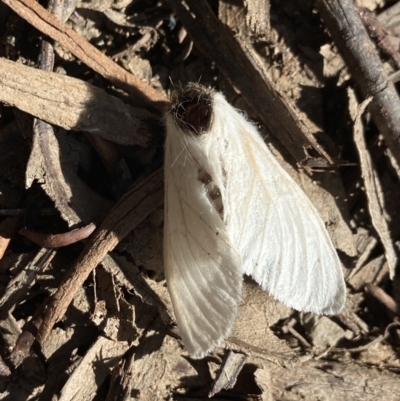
(283, 358)
(263, 380)
(58, 240)
(257, 16)
(145, 368)
(129, 276)
(45, 22)
(383, 297)
(91, 372)
(367, 273)
(20, 284)
(365, 255)
(230, 370)
(323, 331)
(132, 209)
(374, 191)
(349, 318)
(358, 51)
(24, 343)
(72, 104)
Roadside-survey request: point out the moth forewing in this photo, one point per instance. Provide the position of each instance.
(202, 268)
(279, 234)
(263, 225)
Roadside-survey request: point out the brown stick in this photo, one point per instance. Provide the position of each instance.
(58, 240)
(383, 297)
(72, 104)
(361, 57)
(47, 23)
(131, 210)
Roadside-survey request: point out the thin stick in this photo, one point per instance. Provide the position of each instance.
(131, 210)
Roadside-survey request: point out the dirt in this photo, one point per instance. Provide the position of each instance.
(88, 316)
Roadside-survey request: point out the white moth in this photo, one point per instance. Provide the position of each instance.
(231, 209)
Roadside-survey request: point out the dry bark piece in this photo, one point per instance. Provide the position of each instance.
(323, 331)
(24, 343)
(148, 369)
(288, 328)
(149, 291)
(361, 57)
(93, 369)
(350, 319)
(263, 380)
(367, 273)
(132, 209)
(58, 240)
(365, 245)
(61, 356)
(72, 104)
(230, 370)
(374, 193)
(20, 284)
(257, 16)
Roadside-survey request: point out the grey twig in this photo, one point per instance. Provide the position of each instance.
(347, 30)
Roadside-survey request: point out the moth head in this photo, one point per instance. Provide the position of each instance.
(192, 108)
